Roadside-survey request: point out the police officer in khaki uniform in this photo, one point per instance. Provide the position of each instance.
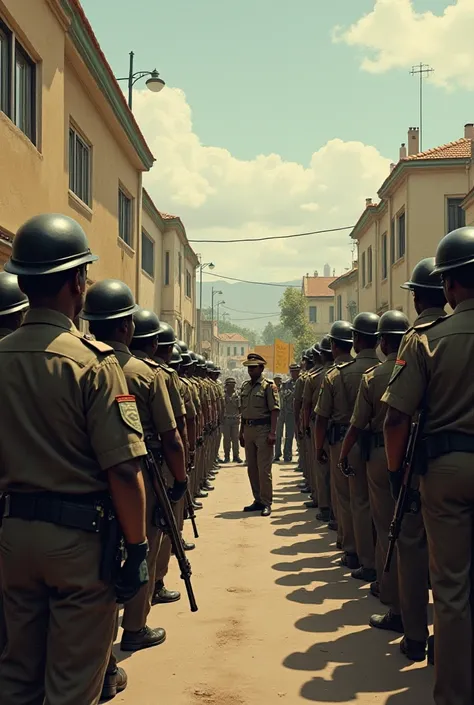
(308, 424)
(13, 304)
(231, 421)
(260, 407)
(307, 364)
(433, 373)
(75, 444)
(369, 413)
(109, 307)
(321, 478)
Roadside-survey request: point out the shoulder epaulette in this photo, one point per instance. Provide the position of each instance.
(91, 342)
(149, 361)
(163, 365)
(344, 364)
(371, 369)
(421, 327)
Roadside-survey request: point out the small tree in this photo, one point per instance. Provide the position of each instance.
(271, 333)
(293, 318)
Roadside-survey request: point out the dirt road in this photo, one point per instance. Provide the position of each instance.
(278, 620)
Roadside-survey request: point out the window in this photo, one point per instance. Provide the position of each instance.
(369, 265)
(79, 167)
(228, 352)
(180, 330)
(364, 275)
(401, 235)
(167, 269)
(339, 307)
(148, 254)
(456, 214)
(331, 314)
(235, 351)
(188, 285)
(384, 256)
(17, 86)
(242, 351)
(392, 241)
(180, 267)
(313, 314)
(125, 218)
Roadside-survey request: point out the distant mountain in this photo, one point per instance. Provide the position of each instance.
(248, 301)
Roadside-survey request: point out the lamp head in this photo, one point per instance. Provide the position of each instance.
(155, 83)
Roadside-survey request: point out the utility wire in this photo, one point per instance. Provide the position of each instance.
(256, 313)
(246, 281)
(278, 237)
(258, 318)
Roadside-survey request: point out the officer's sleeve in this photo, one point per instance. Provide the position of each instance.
(273, 400)
(188, 402)
(363, 407)
(113, 424)
(409, 378)
(299, 386)
(308, 390)
(325, 400)
(162, 411)
(176, 399)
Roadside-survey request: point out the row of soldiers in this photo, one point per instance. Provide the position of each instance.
(81, 414)
(357, 417)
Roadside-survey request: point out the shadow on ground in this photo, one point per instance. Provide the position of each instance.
(348, 658)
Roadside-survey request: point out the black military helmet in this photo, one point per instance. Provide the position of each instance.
(107, 300)
(12, 299)
(166, 335)
(308, 354)
(342, 331)
(194, 356)
(201, 361)
(393, 323)
(210, 366)
(366, 323)
(176, 358)
(187, 359)
(325, 344)
(147, 324)
(455, 250)
(316, 349)
(422, 276)
(182, 346)
(47, 244)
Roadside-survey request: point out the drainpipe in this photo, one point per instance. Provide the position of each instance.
(138, 248)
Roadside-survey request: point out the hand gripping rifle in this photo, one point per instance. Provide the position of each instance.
(407, 501)
(166, 521)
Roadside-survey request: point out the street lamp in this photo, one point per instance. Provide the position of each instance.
(219, 303)
(210, 265)
(213, 293)
(154, 83)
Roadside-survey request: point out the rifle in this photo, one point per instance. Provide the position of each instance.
(166, 521)
(190, 513)
(405, 497)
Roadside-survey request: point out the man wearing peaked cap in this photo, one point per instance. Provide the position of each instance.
(433, 375)
(231, 421)
(260, 407)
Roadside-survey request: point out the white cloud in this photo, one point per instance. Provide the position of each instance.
(221, 197)
(393, 35)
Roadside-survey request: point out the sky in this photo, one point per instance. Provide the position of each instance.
(283, 117)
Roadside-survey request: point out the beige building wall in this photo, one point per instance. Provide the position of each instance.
(346, 296)
(151, 285)
(325, 314)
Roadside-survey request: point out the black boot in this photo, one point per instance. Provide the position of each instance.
(114, 682)
(413, 650)
(162, 596)
(143, 639)
(389, 621)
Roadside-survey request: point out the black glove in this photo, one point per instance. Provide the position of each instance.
(346, 469)
(396, 482)
(177, 491)
(134, 572)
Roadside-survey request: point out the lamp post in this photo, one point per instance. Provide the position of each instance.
(219, 303)
(154, 83)
(213, 293)
(211, 265)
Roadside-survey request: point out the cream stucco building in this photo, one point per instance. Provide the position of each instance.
(319, 303)
(420, 201)
(345, 289)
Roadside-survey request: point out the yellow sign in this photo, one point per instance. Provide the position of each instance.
(266, 351)
(282, 352)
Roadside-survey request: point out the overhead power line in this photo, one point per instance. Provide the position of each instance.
(257, 318)
(246, 281)
(277, 237)
(255, 313)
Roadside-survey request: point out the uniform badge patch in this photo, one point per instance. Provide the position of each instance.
(398, 369)
(128, 411)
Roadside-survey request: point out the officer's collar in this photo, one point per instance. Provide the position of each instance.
(345, 357)
(467, 305)
(369, 353)
(434, 312)
(49, 316)
(259, 380)
(120, 347)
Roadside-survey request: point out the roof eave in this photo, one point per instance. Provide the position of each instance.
(403, 166)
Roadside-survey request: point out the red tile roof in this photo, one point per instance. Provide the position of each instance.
(232, 338)
(317, 286)
(167, 216)
(460, 149)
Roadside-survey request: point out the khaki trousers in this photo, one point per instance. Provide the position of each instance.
(448, 501)
(343, 497)
(382, 507)
(163, 557)
(259, 455)
(230, 430)
(60, 616)
(321, 473)
(360, 509)
(413, 569)
(312, 466)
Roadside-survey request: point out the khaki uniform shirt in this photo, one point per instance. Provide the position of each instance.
(370, 410)
(146, 380)
(299, 387)
(340, 386)
(67, 414)
(172, 383)
(313, 383)
(258, 399)
(195, 394)
(232, 405)
(4, 332)
(434, 371)
(186, 387)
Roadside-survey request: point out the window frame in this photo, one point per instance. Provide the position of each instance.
(460, 222)
(392, 242)
(228, 351)
(383, 255)
(188, 285)
(125, 197)
(370, 265)
(339, 307)
(363, 270)
(5, 71)
(146, 238)
(401, 218)
(28, 123)
(332, 310)
(166, 268)
(79, 138)
(311, 309)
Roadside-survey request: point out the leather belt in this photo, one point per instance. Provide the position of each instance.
(82, 512)
(257, 422)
